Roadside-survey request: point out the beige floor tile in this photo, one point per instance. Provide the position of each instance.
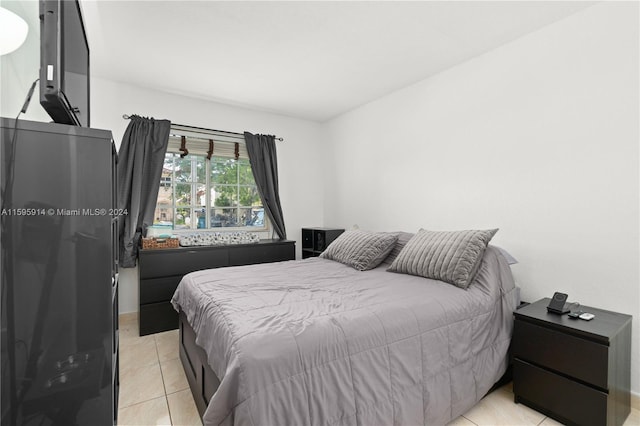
(635, 401)
(140, 384)
(508, 387)
(498, 408)
(461, 421)
(173, 376)
(550, 422)
(633, 419)
(129, 333)
(138, 352)
(183, 410)
(129, 327)
(167, 345)
(152, 412)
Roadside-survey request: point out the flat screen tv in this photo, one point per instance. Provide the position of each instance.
(64, 62)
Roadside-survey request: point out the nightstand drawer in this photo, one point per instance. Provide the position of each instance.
(573, 356)
(568, 401)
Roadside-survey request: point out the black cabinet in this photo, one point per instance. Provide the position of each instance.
(578, 372)
(59, 275)
(161, 271)
(316, 240)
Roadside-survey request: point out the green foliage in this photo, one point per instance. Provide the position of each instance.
(231, 180)
(224, 196)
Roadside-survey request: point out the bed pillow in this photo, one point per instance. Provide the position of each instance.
(403, 239)
(510, 259)
(360, 249)
(453, 257)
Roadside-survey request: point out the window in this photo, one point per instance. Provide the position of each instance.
(200, 193)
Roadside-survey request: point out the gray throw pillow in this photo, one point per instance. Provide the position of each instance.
(360, 249)
(453, 257)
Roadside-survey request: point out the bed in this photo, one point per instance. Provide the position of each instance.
(316, 341)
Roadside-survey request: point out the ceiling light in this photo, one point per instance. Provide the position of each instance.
(13, 31)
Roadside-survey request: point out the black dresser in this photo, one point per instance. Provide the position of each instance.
(161, 270)
(576, 371)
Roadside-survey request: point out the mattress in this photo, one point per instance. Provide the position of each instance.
(316, 342)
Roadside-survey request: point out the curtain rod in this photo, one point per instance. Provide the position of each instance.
(231, 134)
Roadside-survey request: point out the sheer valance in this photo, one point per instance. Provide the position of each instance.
(202, 145)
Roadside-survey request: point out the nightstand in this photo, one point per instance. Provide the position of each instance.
(316, 240)
(575, 371)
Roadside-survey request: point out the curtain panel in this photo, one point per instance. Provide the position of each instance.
(264, 163)
(140, 162)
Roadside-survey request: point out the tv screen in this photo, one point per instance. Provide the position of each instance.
(64, 62)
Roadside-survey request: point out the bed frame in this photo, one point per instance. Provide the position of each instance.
(202, 380)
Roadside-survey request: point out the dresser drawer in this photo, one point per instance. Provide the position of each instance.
(157, 317)
(162, 270)
(573, 356)
(249, 255)
(154, 290)
(568, 401)
(154, 264)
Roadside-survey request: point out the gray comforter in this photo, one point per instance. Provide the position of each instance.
(317, 342)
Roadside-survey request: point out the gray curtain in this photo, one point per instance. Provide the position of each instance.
(264, 163)
(140, 162)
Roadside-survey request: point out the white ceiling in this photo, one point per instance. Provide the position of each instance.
(313, 60)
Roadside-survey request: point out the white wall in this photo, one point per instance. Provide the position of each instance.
(538, 137)
(21, 67)
(301, 185)
(300, 173)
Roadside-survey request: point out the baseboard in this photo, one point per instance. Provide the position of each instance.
(128, 316)
(635, 401)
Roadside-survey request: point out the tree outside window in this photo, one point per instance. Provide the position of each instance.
(196, 193)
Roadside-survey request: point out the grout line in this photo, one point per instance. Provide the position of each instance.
(139, 402)
(168, 408)
(145, 400)
(469, 420)
(164, 386)
(178, 391)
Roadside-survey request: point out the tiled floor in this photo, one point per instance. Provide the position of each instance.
(154, 389)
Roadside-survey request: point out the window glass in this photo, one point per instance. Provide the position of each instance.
(245, 173)
(224, 171)
(197, 193)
